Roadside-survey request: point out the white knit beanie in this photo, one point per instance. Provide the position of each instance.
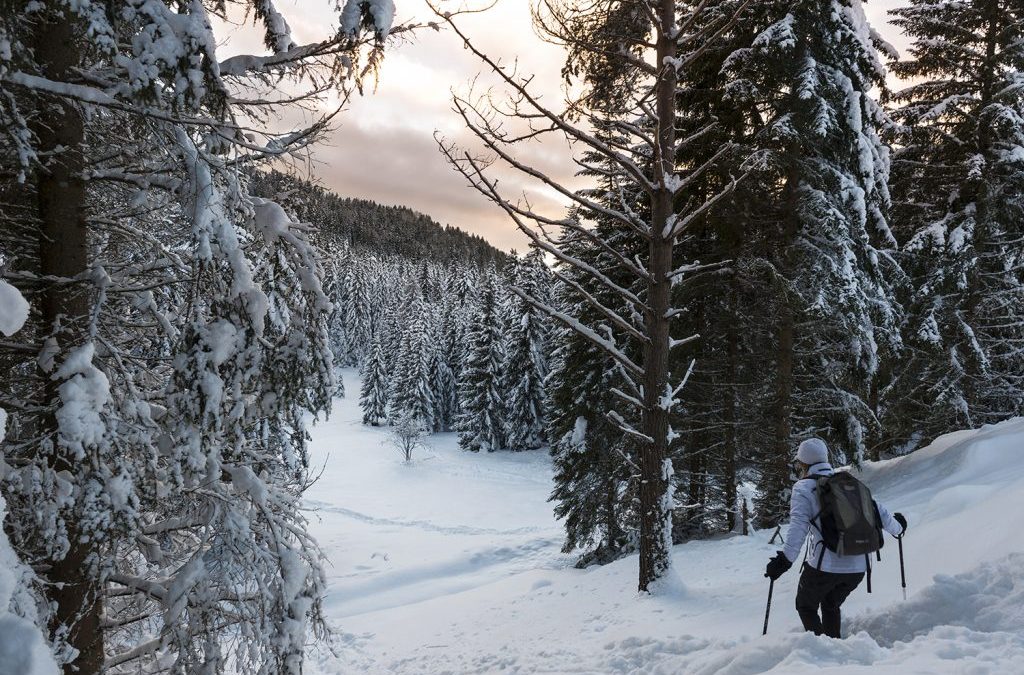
(812, 451)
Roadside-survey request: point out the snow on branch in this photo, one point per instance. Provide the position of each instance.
(584, 331)
(616, 419)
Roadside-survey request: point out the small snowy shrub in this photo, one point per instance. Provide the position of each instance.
(408, 433)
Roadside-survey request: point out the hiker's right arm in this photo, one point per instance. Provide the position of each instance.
(801, 510)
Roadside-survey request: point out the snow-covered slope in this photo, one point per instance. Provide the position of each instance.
(452, 565)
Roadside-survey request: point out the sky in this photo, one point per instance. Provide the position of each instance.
(384, 148)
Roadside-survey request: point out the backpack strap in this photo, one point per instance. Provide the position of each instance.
(867, 561)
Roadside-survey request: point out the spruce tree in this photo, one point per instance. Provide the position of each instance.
(526, 355)
(445, 336)
(594, 462)
(480, 423)
(804, 84)
(373, 398)
(355, 314)
(339, 259)
(958, 188)
(411, 375)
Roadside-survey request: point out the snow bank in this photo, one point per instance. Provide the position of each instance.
(988, 599)
(452, 565)
(968, 623)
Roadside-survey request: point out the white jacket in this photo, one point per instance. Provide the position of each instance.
(805, 505)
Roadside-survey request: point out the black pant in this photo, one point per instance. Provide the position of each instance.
(828, 591)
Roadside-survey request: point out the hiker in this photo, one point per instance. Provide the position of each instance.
(827, 578)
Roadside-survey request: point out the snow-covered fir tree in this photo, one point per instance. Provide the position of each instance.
(446, 336)
(357, 314)
(644, 48)
(822, 199)
(411, 375)
(525, 354)
(958, 189)
(594, 463)
(480, 423)
(158, 453)
(336, 259)
(373, 397)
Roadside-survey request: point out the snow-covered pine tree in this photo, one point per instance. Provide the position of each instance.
(373, 398)
(479, 422)
(143, 416)
(23, 641)
(594, 463)
(721, 414)
(958, 191)
(446, 335)
(805, 82)
(411, 374)
(407, 299)
(337, 258)
(254, 361)
(356, 313)
(392, 310)
(525, 354)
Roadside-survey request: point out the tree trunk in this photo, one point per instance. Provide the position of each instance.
(613, 529)
(63, 252)
(874, 383)
(773, 509)
(655, 476)
(729, 416)
(781, 450)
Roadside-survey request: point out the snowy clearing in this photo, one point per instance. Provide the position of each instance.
(452, 565)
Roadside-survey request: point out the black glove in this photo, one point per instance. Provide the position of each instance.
(899, 518)
(777, 566)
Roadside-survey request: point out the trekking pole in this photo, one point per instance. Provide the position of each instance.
(903, 572)
(768, 609)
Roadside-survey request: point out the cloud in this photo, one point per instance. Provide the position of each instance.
(384, 149)
(402, 165)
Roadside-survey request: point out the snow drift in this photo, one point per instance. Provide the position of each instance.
(452, 565)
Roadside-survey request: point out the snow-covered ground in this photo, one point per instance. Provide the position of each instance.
(452, 565)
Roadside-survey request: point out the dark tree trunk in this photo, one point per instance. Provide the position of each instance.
(613, 529)
(781, 450)
(729, 416)
(655, 509)
(875, 448)
(63, 252)
(772, 508)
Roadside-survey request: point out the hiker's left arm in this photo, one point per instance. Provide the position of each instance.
(889, 524)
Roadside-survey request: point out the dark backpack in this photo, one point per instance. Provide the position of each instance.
(848, 520)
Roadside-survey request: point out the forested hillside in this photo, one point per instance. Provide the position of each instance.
(362, 225)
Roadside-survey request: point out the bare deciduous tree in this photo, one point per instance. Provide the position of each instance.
(407, 434)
